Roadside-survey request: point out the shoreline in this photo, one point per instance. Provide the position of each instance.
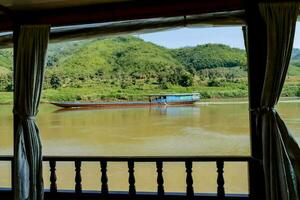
(243, 101)
(212, 101)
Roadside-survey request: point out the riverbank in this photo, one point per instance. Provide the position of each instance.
(235, 101)
(137, 93)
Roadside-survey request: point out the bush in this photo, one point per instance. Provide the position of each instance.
(55, 81)
(164, 85)
(99, 73)
(230, 77)
(214, 83)
(6, 82)
(163, 80)
(185, 80)
(205, 95)
(9, 87)
(298, 93)
(125, 83)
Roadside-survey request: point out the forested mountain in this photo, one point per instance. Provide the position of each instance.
(130, 54)
(128, 61)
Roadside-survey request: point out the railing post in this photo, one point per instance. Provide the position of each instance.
(160, 195)
(160, 179)
(189, 179)
(220, 180)
(104, 179)
(53, 178)
(12, 162)
(78, 186)
(131, 179)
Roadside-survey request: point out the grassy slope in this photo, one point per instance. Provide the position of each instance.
(129, 53)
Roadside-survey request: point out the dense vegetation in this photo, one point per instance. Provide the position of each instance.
(123, 68)
(210, 56)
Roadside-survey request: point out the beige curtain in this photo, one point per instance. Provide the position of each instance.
(30, 48)
(281, 153)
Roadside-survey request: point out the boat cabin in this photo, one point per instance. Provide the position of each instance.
(174, 98)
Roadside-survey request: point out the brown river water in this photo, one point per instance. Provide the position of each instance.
(219, 128)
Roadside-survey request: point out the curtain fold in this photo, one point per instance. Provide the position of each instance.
(281, 153)
(31, 43)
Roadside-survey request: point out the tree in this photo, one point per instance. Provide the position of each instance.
(99, 73)
(214, 83)
(55, 81)
(9, 87)
(186, 80)
(163, 80)
(230, 76)
(6, 82)
(125, 83)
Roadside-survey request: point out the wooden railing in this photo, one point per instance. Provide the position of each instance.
(55, 193)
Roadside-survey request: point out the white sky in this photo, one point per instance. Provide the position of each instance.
(231, 36)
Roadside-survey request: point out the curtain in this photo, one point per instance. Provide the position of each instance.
(30, 49)
(280, 151)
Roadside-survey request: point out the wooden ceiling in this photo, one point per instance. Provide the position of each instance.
(51, 4)
(89, 17)
(75, 12)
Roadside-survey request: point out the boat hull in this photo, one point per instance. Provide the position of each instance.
(118, 104)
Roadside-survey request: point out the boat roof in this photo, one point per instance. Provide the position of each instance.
(176, 94)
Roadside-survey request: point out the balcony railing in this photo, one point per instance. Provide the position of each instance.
(104, 193)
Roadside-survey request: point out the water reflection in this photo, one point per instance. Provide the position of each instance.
(175, 110)
(193, 130)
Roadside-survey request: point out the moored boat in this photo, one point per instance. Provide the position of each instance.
(154, 100)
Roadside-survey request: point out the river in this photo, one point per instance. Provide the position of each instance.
(219, 128)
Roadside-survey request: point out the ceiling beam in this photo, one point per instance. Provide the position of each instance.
(79, 32)
(109, 12)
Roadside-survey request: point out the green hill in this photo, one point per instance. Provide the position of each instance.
(210, 56)
(128, 55)
(118, 55)
(120, 66)
(130, 58)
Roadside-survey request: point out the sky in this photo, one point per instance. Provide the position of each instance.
(183, 37)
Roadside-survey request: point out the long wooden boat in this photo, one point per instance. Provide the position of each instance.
(154, 100)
